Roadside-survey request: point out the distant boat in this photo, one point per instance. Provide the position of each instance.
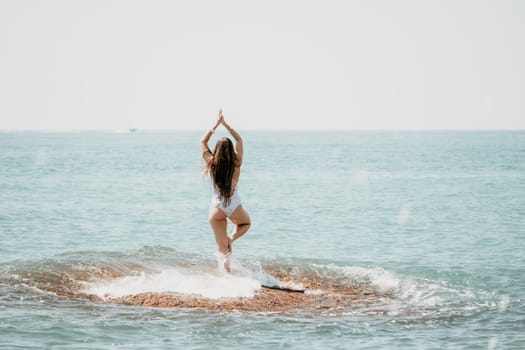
(124, 131)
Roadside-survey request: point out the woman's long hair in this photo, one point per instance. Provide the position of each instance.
(221, 166)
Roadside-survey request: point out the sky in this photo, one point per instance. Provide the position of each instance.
(321, 65)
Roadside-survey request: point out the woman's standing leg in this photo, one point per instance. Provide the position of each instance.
(217, 219)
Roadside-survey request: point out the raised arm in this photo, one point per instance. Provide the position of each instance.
(205, 150)
(238, 142)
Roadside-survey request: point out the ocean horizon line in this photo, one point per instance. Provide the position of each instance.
(132, 130)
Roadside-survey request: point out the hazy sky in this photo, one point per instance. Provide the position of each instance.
(270, 64)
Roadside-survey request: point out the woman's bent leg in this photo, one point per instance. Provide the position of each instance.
(241, 219)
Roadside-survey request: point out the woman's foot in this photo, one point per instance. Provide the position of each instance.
(227, 266)
(223, 260)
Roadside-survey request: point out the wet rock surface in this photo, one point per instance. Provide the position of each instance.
(317, 296)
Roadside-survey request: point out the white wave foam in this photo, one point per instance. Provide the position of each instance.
(384, 281)
(408, 294)
(208, 285)
(503, 303)
(407, 291)
(253, 270)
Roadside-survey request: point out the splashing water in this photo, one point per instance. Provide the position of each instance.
(166, 272)
(205, 284)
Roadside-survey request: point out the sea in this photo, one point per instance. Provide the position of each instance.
(432, 220)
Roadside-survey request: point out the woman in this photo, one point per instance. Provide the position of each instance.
(224, 167)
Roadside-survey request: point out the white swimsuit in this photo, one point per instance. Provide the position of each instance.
(217, 201)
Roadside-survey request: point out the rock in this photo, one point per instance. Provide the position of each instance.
(265, 300)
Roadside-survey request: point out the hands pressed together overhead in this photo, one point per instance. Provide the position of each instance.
(220, 120)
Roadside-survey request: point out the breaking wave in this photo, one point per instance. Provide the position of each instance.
(106, 276)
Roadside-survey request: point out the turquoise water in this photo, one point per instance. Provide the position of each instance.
(436, 220)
